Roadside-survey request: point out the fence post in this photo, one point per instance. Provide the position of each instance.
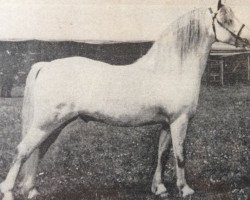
(248, 68)
(222, 72)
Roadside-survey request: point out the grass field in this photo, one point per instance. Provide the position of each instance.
(98, 162)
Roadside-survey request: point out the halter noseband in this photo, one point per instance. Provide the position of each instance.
(236, 36)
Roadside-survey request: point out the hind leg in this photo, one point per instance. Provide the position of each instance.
(164, 142)
(30, 142)
(27, 185)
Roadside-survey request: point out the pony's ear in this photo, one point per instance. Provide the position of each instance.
(225, 14)
(219, 5)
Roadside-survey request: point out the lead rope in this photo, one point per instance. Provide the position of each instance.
(238, 35)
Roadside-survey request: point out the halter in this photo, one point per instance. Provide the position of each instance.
(236, 36)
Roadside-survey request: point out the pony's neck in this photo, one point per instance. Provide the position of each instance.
(184, 45)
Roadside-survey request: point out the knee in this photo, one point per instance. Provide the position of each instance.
(20, 153)
(180, 162)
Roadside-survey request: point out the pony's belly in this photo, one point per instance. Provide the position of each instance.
(137, 119)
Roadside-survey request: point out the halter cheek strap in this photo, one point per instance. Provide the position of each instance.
(239, 33)
(214, 17)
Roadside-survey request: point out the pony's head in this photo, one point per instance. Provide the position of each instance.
(227, 28)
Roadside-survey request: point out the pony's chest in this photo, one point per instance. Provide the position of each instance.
(177, 97)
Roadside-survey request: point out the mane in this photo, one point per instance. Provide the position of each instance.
(181, 37)
(186, 32)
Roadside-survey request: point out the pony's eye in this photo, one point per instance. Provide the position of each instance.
(230, 22)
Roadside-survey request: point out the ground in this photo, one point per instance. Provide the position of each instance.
(98, 162)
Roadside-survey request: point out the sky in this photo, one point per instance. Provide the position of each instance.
(103, 20)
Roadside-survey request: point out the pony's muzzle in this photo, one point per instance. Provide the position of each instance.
(243, 42)
(243, 39)
(246, 43)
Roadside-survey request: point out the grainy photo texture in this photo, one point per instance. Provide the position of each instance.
(124, 100)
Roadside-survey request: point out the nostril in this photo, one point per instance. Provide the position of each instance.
(245, 42)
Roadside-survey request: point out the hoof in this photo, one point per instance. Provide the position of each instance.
(33, 193)
(186, 191)
(159, 189)
(164, 195)
(8, 196)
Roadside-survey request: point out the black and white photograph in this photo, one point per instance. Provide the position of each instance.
(125, 99)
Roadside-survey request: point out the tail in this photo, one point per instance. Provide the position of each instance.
(28, 101)
(28, 115)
